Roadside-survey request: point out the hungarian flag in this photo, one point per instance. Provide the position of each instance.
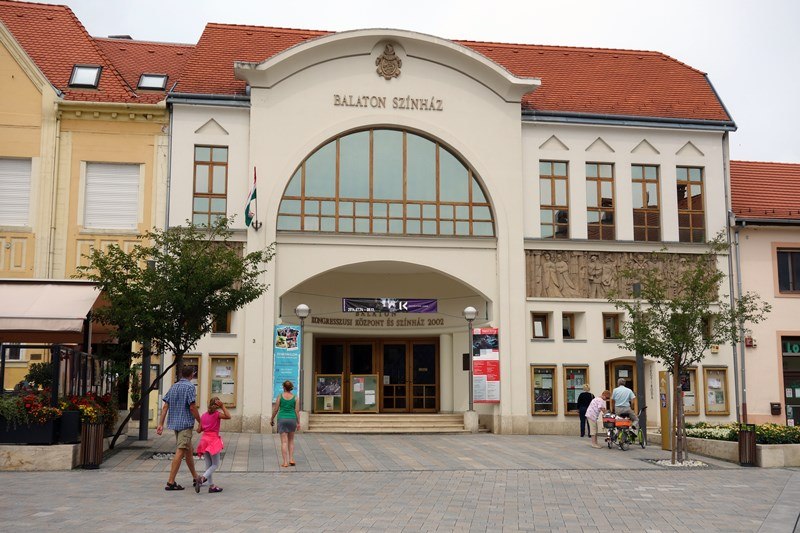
(250, 207)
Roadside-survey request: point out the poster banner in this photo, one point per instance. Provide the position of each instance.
(286, 357)
(485, 366)
(389, 305)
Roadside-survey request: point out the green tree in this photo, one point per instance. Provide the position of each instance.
(676, 320)
(166, 291)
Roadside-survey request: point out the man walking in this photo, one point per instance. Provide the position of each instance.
(179, 403)
(621, 399)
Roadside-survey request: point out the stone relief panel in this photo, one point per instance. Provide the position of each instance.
(580, 274)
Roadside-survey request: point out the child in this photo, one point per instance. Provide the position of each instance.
(210, 444)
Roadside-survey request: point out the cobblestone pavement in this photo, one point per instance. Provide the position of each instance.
(406, 483)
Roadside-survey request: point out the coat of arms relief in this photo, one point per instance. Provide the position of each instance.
(388, 63)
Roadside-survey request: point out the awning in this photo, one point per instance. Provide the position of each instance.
(45, 308)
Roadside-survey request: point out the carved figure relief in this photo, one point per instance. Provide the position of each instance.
(579, 274)
(388, 63)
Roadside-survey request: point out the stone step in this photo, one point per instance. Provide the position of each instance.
(386, 423)
(408, 430)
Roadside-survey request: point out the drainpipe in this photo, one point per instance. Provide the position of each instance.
(731, 222)
(741, 329)
(169, 165)
(53, 194)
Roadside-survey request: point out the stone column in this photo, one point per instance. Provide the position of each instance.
(446, 358)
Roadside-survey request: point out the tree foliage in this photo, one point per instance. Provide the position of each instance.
(676, 321)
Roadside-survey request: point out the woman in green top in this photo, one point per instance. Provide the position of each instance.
(287, 409)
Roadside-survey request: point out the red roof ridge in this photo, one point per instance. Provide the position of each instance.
(52, 7)
(138, 41)
(269, 28)
(749, 161)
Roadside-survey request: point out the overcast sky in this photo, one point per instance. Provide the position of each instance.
(750, 49)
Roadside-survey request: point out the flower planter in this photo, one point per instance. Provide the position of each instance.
(22, 434)
(69, 427)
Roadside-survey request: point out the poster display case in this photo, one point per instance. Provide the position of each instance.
(364, 393)
(716, 388)
(193, 361)
(223, 379)
(543, 388)
(575, 377)
(688, 383)
(328, 393)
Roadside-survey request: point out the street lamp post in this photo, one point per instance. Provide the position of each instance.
(301, 311)
(469, 314)
(641, 399)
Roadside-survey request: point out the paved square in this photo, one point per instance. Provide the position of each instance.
(406, 483)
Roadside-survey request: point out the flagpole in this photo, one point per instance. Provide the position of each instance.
(256, 224)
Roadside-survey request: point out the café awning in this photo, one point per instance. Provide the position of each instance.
(45, 310)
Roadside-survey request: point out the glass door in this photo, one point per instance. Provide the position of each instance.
(395, 378)
(424, 394)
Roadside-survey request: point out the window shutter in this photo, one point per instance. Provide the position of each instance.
(112, 196)
(15, 192)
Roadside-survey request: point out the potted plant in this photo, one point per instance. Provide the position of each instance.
(26, 417)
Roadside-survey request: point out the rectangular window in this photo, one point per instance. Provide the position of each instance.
(111, 196)
(554, 199)
(688, 384)
(611, 325)
(575, 377)
(193, 362)
(568, 325)
(691, 213)
(540, 330)
(15, 192)
(716, 385)
(646, 210)
(224, 379)
(788, 270)
(543, 388)
(222, 323)
(210, 201)
(600, 201)
(86, 76)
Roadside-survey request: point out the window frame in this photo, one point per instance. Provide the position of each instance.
(552, 206)
(691, 212)
(85, 67)
(211, 164)
(724, 388)
(553, 391)
(571, 317)
(597, 181)
(567, 369)
(226, 328)
(647, 213)
(793, 281)
(544, 318)
(617, 326)
(19, 217)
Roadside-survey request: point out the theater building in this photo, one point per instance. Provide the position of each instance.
(401, 169)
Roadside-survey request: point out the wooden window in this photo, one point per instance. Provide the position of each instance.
(543, 390)
(568, 325)
(646, 204)
(223, 379)
(600, 201)
(210, 201)
(540, 326)
(691, 212)
(575, 377)
(716, 388)
(788, 270)
(688, 382)
(554, 199)
(611, 323)
(222, 323)
(387, 182)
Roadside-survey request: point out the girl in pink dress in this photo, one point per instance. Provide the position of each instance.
(211, 444)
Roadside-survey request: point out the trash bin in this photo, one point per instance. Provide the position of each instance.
(747, 444)
(92, 444)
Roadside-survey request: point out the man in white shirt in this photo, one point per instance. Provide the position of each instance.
(621, 399)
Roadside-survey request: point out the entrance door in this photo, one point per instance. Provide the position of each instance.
(410, 377)
(625, 370)
(424, 393)
(395, 378)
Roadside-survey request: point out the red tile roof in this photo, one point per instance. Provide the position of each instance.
(134, 58)
(575, 80)
(56, 41)
(765, 190)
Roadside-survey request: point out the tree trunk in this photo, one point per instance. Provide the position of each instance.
(676, 439)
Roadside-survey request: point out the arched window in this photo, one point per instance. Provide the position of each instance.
(385, 182)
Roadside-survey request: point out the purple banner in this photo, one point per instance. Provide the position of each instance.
(388, 305)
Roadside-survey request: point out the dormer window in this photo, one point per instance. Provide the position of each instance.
(153, 81)
(85, 76)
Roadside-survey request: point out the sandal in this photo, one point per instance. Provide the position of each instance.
(214, 488)
(173, 486)
(291, 463)
(284, 465)
(198, 483)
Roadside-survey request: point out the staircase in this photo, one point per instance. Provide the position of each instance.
(386, 423)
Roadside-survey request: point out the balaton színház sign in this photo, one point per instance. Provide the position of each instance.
(397, 102)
